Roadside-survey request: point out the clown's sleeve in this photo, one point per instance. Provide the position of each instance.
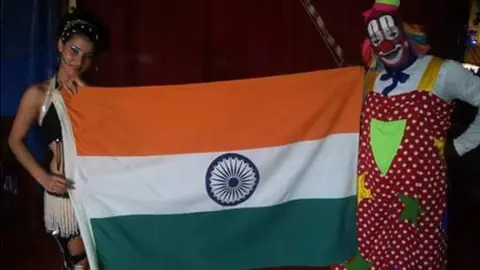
(456, 82)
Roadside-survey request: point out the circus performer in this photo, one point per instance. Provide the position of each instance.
(402, 188)
(80, 38)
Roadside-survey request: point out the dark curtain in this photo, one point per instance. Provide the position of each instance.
(28, 48)
(171, 42)
(445, 21)
(28, 54)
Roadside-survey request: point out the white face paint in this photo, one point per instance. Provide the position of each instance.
(381, 29)
(388, 26)
(385, 37)
(374, 32)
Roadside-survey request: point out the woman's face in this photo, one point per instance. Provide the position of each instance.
(75, 55)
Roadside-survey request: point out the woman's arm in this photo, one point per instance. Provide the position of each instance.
(28, 112)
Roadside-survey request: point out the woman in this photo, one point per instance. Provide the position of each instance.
(80, 38)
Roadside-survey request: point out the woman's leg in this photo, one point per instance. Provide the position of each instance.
(77, 253)
(60, 221)
(73, 251)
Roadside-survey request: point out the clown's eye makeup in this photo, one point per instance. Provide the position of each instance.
(374, 32)
(388, 26)
(391, 33)
(376, 38)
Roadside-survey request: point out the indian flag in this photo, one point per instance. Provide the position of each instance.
(236, 175)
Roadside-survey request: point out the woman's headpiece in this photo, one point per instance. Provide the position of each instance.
(79, 27)
(81, 22)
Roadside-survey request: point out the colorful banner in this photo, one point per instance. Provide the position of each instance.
(240, 174)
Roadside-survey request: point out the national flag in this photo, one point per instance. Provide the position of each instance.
(232, 175)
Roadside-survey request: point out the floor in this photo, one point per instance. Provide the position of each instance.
(33, 250)
(37, 250)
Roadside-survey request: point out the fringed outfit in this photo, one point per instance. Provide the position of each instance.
(59, 215)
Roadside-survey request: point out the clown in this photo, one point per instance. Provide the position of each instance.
(402, 170)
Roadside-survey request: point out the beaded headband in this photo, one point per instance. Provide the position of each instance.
(79, 27)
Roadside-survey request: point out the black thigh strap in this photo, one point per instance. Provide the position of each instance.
(69, 260)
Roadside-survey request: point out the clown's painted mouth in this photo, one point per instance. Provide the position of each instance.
(393, 56)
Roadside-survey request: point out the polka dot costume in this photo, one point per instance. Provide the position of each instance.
(400, 210)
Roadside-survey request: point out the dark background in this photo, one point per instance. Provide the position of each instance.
(173, 42)
(170, 42)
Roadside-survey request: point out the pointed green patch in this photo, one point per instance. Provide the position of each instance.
(385, 139)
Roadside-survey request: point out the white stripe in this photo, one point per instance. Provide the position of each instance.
(176, 183)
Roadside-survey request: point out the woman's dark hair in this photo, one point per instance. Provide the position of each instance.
(82, 22)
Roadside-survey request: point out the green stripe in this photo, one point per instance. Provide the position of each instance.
(315, 232)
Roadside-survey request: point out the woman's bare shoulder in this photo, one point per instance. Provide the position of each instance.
(39, 89)
(35, 93)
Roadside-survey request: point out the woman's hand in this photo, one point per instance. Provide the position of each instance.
(72, 85)
(56, 184)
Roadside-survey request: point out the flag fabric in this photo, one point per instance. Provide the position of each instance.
(238, 175)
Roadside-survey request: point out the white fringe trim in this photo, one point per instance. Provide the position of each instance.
(59, 216)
